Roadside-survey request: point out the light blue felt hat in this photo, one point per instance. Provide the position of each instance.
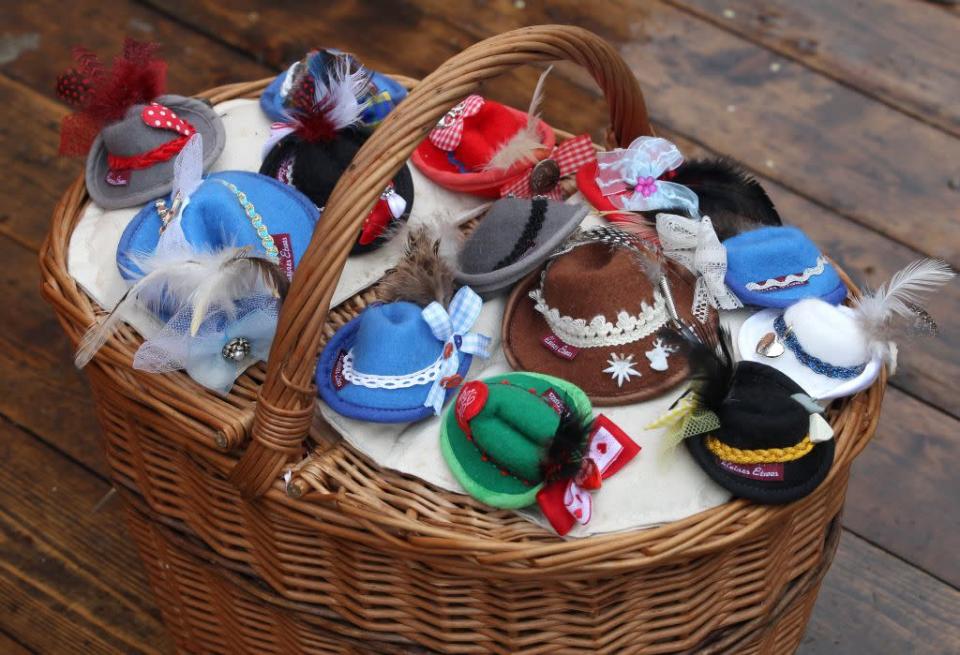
(398, 362)
(383, 93)
(222, 212)
(777, 266)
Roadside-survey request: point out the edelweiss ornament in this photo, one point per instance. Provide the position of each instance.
(621, 368)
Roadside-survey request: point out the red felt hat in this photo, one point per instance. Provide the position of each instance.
(587, 185)
(484, 133)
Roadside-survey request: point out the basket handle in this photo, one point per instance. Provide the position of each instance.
(286, 401)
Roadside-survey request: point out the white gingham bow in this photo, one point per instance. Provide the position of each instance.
(637, 169)
(446, 135)
(695, 244)
(451, 326)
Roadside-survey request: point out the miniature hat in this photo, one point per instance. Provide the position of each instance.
(762, 438)
(514, 237)
(398, 362)
(777, 266)
(379, 98)
(520, 438)
(227, 209)
(130, 132)
(591, 316)
(481, 146)
(312, 146)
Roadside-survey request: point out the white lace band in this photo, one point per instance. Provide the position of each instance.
(792, 280)
(598, 331)
(370, 381)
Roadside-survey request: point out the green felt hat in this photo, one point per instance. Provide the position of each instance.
(498, 433)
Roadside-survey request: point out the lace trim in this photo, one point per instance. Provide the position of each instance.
(370, 381)
(792, 280)
(598, 331)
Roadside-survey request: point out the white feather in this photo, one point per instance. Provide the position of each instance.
(188, 169)
(906, 288)
(340, 99)
(523, 145)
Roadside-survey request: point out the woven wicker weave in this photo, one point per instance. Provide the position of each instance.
(349, 557)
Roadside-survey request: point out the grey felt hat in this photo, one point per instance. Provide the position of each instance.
(132, 136)
(514, 238)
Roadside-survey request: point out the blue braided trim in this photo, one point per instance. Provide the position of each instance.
(814, 364)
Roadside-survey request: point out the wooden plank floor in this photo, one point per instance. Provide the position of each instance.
(848, 111)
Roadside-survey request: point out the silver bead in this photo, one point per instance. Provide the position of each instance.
(236, 350)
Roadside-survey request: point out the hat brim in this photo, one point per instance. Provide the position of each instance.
(489, 283)
(466, 461)
(156, 181)
(759, 491)
(416, 411)
(434, 164)
(524, 328)
(814, 384)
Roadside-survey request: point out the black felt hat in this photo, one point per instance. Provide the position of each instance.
(763, 449)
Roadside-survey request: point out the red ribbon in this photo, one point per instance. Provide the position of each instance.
(159, 117)
(569, 156)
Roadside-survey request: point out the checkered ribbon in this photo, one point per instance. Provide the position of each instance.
(446, 135)
(569, 155)
(451, 326)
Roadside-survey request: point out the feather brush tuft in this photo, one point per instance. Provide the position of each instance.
(523, 145)
(564, 456)
(423, 275)
(335, 104)
(878, 311)
(202, 280)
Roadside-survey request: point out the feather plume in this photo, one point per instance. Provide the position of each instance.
(901, 298)
(637, 225)
(336, 100)
(564, 457)
(523, 145)
(423, 275)
(201, 281)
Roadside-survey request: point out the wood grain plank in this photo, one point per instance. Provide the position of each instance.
(900, 51)
(8, 646)
(871, 602)
(70, 580)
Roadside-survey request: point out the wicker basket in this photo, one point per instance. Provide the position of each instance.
(348, 557)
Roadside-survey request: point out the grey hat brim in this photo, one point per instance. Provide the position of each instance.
(558, 225)
(147, 184)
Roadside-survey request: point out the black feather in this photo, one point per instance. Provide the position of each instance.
(569, 445)
(710, 357)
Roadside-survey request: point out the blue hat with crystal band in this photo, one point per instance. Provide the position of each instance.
(777, 266)
(398, 362)
(228, 209)
(381, 96)
(821, 347)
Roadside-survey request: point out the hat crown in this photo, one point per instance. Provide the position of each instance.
(131, 136)
(770, 252)
(758, 411)
(394, 339)
(486, 132)
(829, 333)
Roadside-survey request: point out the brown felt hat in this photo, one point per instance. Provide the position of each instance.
(591, 316)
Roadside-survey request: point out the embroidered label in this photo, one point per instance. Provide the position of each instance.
(118, 178)
(336, 376)
(559, 347)
(768, 472)
(470, 401)
(285, 253)
(554, 400)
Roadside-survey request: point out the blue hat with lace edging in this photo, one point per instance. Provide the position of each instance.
(398, 362)
(229, 209)
(383, 93)
(777, 266)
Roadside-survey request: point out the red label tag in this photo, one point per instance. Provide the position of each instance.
(285, 256)
(118, 178)
(559, 347)
(336, 377)
(470, 401)
(768, 472)
(554, 400)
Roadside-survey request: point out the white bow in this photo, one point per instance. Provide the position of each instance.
(694, 244)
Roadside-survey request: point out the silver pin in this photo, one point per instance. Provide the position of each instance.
(770, 345)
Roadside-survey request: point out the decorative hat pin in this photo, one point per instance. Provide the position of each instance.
(131, 132)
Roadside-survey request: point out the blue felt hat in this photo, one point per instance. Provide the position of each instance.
(383, 92)
(221, 212)
(389, 366)
(777, 266)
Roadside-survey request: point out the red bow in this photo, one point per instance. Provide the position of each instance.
(540, 180)
(446, 135)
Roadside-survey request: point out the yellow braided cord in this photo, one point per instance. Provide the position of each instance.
(761, 456)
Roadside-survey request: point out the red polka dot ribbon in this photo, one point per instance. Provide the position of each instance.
(159, 117)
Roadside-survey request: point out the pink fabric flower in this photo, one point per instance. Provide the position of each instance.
(647, 186)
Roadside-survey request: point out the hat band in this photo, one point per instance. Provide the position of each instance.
(425, 375)
(815, 364)
(734, 455)
(792, 280)
(160, 154)
(599, 332)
